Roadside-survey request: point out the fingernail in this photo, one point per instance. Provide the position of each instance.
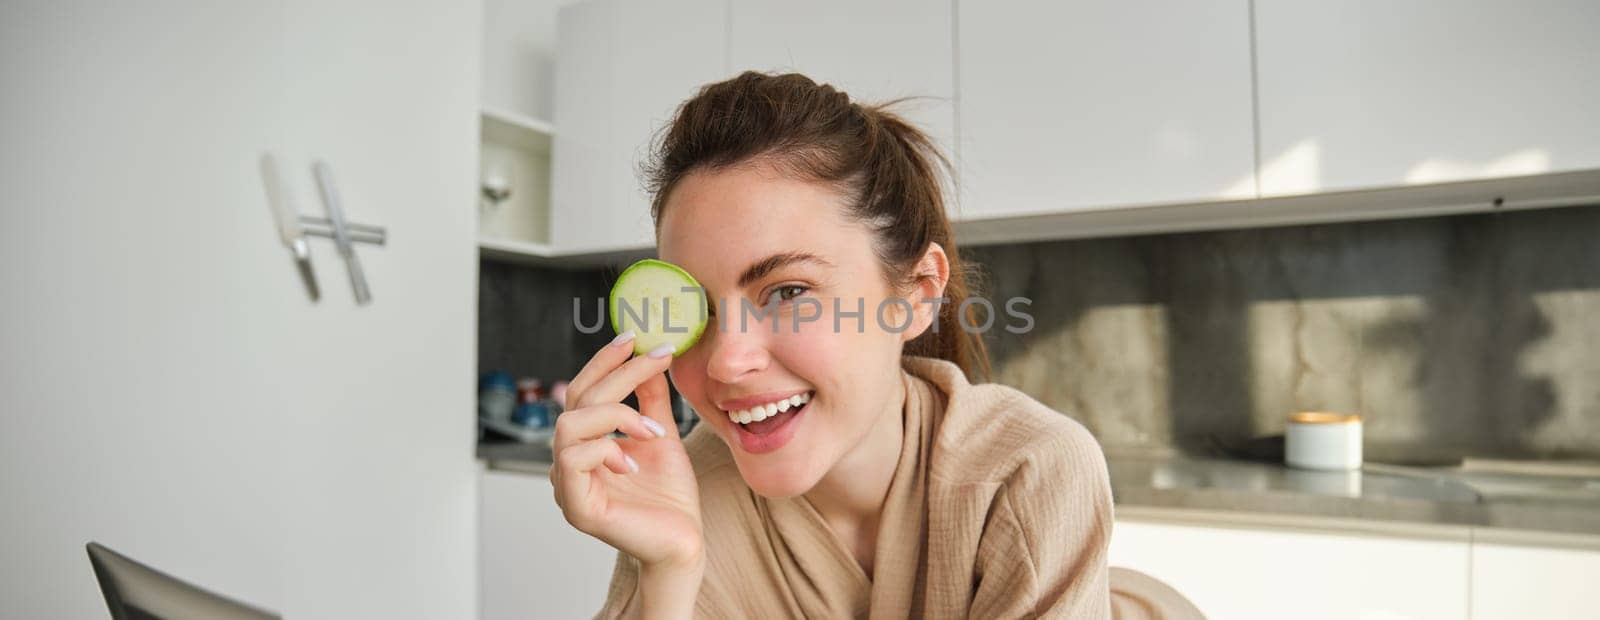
(661, 351)
(632, 464)
(622, 337)
(654, 426)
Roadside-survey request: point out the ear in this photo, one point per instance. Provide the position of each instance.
(932, 273)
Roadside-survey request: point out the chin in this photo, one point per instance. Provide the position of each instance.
(774, 480)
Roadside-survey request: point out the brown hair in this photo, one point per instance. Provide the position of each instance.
(887, 168)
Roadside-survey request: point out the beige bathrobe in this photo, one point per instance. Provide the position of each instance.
(999, 508)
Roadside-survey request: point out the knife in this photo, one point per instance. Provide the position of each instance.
(341, 230)
(288, 219)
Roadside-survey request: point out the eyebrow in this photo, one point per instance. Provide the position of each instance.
(772, 263)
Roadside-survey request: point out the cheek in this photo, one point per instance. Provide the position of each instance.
(830, 358)
(688, 374)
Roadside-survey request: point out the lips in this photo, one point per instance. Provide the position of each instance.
(772, 431)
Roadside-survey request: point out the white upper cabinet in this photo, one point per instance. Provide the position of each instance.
(875, 51)
(1371, 93)
(664, 52)
(580, 184)
(623, 67)
(1072, 105)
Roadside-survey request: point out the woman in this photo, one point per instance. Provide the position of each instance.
(886, 482)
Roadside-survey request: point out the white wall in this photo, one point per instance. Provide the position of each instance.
(166, 388)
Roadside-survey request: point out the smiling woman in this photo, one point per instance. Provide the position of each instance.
(847, 465)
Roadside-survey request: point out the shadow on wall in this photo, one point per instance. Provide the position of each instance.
(1464, 335)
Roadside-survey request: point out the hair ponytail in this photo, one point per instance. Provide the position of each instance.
(908, 165)
(889, 168)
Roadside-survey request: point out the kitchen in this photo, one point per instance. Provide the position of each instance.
(1224, 213)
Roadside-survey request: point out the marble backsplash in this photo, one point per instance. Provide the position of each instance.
(1473, 335)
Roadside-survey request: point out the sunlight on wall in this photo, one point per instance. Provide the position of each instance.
(1339, 354)
(1562, 361)
(1298, 170)
(1523, 162)
(1241, 189)
(1107, 368)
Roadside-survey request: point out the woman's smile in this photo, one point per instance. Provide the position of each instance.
(765, 424)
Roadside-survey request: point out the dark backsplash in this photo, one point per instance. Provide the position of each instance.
(525, 321)
(1473, 335)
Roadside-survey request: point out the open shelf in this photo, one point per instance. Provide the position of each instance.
(517, 130)
(516, 149)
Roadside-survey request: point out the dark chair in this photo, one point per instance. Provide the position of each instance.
(134, 591)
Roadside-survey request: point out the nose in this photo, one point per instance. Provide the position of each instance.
(735, 354)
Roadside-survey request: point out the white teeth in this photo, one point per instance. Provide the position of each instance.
(762, 412)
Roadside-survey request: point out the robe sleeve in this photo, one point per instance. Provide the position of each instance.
(1043, 552)
(620, 597)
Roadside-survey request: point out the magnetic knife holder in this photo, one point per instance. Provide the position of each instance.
(294, 228)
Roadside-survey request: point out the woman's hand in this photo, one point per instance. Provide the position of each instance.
(637, 494)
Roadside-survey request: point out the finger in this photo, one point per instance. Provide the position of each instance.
(607, 359)
(577, 464)
(579, 425)
(655, 401)
(615, 386)
(583, 458)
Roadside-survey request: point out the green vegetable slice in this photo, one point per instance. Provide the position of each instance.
(661, 303)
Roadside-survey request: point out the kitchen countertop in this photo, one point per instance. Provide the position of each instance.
(1481, 495)
(1487, 496)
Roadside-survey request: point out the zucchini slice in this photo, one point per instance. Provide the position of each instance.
(661, 303)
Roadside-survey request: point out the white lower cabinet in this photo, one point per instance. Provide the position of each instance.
(532, 564)
(1516, 581)
(1287, 571)
(1240, 573)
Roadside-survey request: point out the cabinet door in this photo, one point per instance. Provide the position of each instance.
(1068, 105)
(581, 177)
(622, 69)
(875, 51)
(662, 54)
(1269, 574)
(532, 563)
(1369, 93)
(1510, 581)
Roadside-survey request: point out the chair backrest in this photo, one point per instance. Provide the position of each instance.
(134, 591)
(1137, 596)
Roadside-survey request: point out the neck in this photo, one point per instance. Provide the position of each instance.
(853, 492)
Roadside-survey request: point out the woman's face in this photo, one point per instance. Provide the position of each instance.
(750, 236)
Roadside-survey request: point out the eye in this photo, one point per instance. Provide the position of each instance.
(787, 292)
